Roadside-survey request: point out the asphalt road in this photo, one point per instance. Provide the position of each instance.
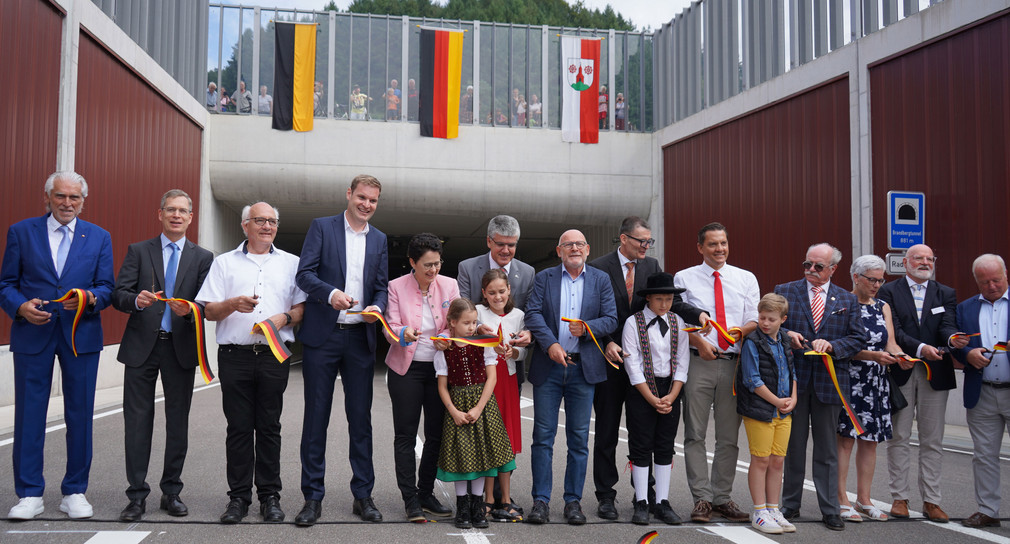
(205, 494)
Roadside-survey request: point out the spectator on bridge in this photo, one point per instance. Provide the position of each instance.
(242, 99)
(395, 85)
(869, 388)
(412, 100)
(226, 104)
(466, 107)
(620, 111)
(418, 302)
(266, 102)
(212, 96)
(392, 105)
(535, 111)
(604, 104)
(514, 107)
(318, 100)
(359, 103)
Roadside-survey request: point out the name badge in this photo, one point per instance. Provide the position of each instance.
(938, 310)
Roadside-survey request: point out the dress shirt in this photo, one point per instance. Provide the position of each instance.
(823, 295)
(750, 360)
(494, 266)
(571, 307)
(992, 323)
(166, 253)
(513, 322)
(659, 344)
(740, 293)
(238, 273)
(55, 236)
(354, 285)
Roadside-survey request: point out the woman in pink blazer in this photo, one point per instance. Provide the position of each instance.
(416, 311)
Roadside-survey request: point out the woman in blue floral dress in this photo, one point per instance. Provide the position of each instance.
(869, 394)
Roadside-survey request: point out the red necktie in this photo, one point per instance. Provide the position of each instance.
(629, 280)
(817, 307)
(720, 309)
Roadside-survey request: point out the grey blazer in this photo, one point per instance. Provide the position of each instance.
(472, 270)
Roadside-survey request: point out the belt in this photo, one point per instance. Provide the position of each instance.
(343, 326)
(722, 355)
(997, 385)
(257, 349)
(164, 335)
(575, 357)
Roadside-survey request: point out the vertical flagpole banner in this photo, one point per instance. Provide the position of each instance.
(441, 59)
(294, 75)
(580, 95)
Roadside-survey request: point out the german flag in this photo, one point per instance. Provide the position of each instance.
(294, 75)
(441, 59)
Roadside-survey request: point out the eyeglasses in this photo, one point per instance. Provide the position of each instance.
(570, 245)
(503, 245)
(807, 265)
(260, 221)
(173, 211)
(922, 259)
(874, 281)
(433, 266)
(646, 244)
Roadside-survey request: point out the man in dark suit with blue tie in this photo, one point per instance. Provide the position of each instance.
(343, 267)
(567, 366)
(160, 340)
(46, 257)
(822, 317)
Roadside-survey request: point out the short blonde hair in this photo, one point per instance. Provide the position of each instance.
(773, 302)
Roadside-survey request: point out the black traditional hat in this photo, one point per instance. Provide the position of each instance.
(660, 283)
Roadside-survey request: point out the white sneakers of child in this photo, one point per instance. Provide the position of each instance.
(771, 522)
(782, 521)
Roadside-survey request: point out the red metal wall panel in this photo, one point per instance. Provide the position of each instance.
(29, 99)
(939, 119)
(778, 178)
(132, 146)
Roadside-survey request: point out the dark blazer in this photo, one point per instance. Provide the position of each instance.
(967, 322)
(840, 325)
(471, 271)
(144, 264)
(28, 272)
(321, 269)
(938, 323)
(543, 317)
(611, 265)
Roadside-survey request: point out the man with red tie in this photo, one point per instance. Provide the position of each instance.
(731, 295)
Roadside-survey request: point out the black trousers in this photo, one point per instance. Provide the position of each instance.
(252, 394)
(412, 394)
(651, 434)
(138, 416)
(608, 403)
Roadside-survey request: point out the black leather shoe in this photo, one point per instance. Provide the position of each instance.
(666, 514)
(790, 514)
(431, 505)
(174, 506)
(607, 510)
(236, 510)
(133, 511)
(573, 513)
(365, 508)
(641, 515)
(833, 522)
(462, 512)
(413, 509)
(310, 514)
(478, 516)
(539, 514)
(270, 509)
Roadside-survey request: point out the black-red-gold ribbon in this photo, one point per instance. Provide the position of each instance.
(82, 301)
(481, 341)
(382, 320)
(201, 336)
(829, 364)
(593, 336)
(277, 346)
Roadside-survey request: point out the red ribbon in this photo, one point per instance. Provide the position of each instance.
(829, 364)
(201, 336)
(277, 346)
(82, 302)
(593, 336)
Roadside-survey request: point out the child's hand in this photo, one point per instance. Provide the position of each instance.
(786, 405)
(459, 418)
(472, 415)
(440, 345)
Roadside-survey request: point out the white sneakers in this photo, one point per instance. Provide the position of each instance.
(76, 506)
(27, 508)
(763, 521)
(782, 521)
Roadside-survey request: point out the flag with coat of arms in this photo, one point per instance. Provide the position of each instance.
(580, 96)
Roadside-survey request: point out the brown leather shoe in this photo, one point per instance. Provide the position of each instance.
(933, 512)
(730, 511)
(899, 509)
(702, 512)
(979, 520)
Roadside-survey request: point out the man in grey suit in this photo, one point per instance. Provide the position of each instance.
(502, 237)
(160, 339)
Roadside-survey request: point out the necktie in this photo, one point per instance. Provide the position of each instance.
(817, 307)
(720, 309)
(919, 295)
(63, 249)
(173, 264)
(663, 327)
(629, 280)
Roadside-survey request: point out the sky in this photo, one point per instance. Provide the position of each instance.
(642, 13)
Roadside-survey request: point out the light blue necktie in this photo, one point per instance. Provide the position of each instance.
(63, 249)
(173, 264)
(920, 297)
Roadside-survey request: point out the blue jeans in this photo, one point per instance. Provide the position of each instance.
(566, 383)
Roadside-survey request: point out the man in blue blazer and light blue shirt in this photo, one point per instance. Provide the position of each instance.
(825, 318)
(343, 267)
(567, 366)
(986, 382)
(46, 257)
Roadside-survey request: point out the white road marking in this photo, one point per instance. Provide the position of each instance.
(118, 537)
(740, 535)
(473, 537)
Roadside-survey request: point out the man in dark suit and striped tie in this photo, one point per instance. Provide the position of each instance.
(822, 317)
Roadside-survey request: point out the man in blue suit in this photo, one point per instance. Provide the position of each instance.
(822, 317)
(46, 257)
(986, 382)
(567, 366)
(343, 266)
